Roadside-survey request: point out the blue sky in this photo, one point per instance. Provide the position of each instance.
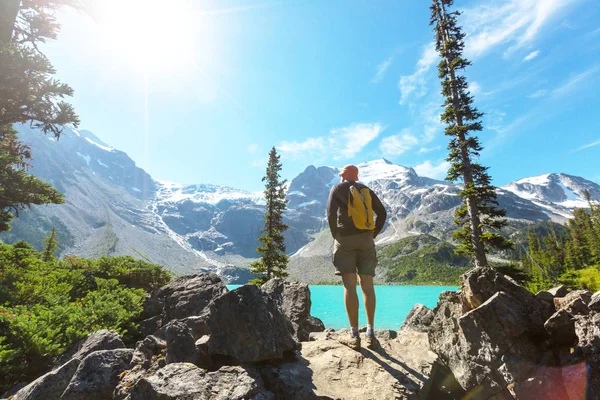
(199, 91)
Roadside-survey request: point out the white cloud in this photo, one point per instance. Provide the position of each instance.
(296, 147)
(382, 69)
(415, 84)
(587, 146)
(341, 143)
(574, 82)
(474, 88)
(398, 144)
(352, 139)
(429, 170)
(424, 150)
(531, 55)
(537, 94)
(513, 23)
(252, 148)
(259, 163)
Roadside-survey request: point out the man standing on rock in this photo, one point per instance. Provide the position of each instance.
(350, 213)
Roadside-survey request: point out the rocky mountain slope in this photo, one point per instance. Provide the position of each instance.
(115, 208)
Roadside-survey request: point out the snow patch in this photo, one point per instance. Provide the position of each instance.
(86, 157)
(136, 189)
(101, 163)
(296, 193)
(105, 148)
(536, 180)
(308, 203)
(204, 193)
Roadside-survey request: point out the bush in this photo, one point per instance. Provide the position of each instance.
(45, 307)
(588, 278)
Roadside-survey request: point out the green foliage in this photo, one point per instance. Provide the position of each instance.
(51, 244)
(46, 306)
(587, 278)
(274, 260)
(420, 260)
(28, 93)
(571, 257)
(479, 218)
(261, 280)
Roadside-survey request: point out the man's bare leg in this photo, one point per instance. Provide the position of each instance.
(351, 298)
(366, 284)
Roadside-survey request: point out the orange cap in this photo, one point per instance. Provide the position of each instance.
(349, 173)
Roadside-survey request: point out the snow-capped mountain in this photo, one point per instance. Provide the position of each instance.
(558, 193)
(115, 208)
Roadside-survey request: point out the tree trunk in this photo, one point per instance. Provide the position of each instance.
(471, 202)
(9, 9)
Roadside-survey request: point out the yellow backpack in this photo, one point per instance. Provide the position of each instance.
(360, 208)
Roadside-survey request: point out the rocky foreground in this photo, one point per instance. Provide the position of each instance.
(491, 340)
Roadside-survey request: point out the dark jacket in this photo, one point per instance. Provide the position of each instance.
(337, 211)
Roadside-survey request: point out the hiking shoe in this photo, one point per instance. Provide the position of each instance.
(372, 342)
(351, 341)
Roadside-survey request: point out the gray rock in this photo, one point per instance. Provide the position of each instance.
(51, 385)
(480, 284)
(186, 297)
(181, 346)
(99, 340)
(594, 304)
(418, 319)
(146, 349)
(577, 307)
(547, 385)
(487, 346)
(563, 302)
(188, 382)
(294, 300)
(559, 291)
(561, 329)
(248, 326)
(587, 329)
(98, 375)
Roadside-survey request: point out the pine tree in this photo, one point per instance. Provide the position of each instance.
(273, 260)
(51, 245)
(479, 217)
(28, 93)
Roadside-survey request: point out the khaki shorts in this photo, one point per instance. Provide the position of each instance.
(355, 254)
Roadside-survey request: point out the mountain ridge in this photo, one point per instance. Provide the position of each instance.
(116, 208)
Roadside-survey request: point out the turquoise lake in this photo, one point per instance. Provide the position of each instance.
(393, 304)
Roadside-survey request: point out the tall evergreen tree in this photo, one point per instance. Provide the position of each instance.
(479, 217)
(51, 245)
(28, 94)
(273, 260)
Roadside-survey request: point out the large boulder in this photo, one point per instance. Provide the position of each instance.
(478, 285)
(248, 326)
(188, 382)
(147, 349)
(490, 332)
(582, 296)
(181, 346)
(100, 340)
(418, 319)
(51, 385)
(98, 375)
(594, 304)
(294, 300)
(561, 329)
(187, 296)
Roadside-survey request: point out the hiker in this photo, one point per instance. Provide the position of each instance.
(350, 213)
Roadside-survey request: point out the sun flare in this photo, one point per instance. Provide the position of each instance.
(152, 35)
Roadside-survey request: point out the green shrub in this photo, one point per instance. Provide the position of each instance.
(45, 307)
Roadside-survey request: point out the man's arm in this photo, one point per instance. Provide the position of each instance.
(379, 210)
(332, 210)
